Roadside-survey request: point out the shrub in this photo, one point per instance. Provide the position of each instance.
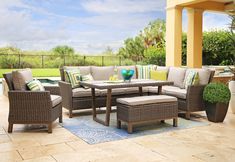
(9, 62)
(154, 55)
(127, 62)
(216, 93)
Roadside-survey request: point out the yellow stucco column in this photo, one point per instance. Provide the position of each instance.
(173, 36)
(194, 38)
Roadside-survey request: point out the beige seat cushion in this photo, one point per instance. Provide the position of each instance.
(135, 90)
(163, 68)
(204, 75)
(132, 90)
(119, 69)
(142, 100)
(153, 89)
(116, 91)
(20, 78)
(55, 100)
(82, 92)
(174, 91)
(84, 70)
(177, 76)
(102, 73)
(123, 91)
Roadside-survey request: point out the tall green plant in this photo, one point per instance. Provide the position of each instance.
(62, 51)
(154, 34)
(133, 49)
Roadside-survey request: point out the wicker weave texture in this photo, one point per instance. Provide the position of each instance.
(26, 107)
(147, 112)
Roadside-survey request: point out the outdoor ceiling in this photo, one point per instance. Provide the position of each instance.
(223, 1)
(224, 6)
(227, 6)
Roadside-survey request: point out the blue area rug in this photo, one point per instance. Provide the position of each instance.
(92, 132)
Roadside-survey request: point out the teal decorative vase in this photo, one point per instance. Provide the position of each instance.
(127, 74)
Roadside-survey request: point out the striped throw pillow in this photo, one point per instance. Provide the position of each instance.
(87, 78)
(74, 77)
(35, 85)
(191, 79)
(144, 71)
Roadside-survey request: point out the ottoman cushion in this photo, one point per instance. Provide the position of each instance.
(142, 100)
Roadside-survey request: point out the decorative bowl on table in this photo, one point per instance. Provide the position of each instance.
(127, 74)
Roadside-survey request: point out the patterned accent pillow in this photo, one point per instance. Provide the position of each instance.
(88, 77)
(196, 79)
(74, 77)
(144, 71)
(35, 85)
(66, 78)
(191, 79)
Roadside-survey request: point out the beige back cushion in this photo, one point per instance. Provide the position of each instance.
(162, 68)
(119, 69)
(20, 78)
(102, 73)
(84, 70)
(204, 75)
(177, 76)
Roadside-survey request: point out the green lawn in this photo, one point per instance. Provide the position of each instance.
(37, 72)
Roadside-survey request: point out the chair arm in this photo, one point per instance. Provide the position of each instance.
(54, 90)
(25, 103)
(195, 97)
(66, 94)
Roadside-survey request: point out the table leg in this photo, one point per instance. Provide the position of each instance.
(140, 91)
(108, 106)
(159, 90)
(93, 103)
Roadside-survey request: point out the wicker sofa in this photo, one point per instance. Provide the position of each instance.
(80, 98)
(189, 100)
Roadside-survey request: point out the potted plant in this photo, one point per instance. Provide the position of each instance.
(216, 97)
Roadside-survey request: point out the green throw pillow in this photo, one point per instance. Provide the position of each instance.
(191, 79)
(74, 77)
(158, 75)
(35, 85)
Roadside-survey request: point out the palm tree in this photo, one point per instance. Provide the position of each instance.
(63, 51)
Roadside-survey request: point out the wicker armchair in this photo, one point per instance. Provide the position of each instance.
(27, 107)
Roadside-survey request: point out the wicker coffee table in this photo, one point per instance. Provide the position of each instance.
(140, 83)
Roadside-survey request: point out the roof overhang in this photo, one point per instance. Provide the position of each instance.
(225, 6)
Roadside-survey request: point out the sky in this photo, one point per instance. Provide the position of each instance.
(89, 26)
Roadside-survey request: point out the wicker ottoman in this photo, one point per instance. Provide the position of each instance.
(141, 109)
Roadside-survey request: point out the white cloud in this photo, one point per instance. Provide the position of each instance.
(215, 21)
(19, 28)
(211, 21)
(124, 6)
(105, 23)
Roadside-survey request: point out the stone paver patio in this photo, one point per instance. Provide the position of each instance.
(215, 142)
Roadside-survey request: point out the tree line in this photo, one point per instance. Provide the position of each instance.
(149, 45)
